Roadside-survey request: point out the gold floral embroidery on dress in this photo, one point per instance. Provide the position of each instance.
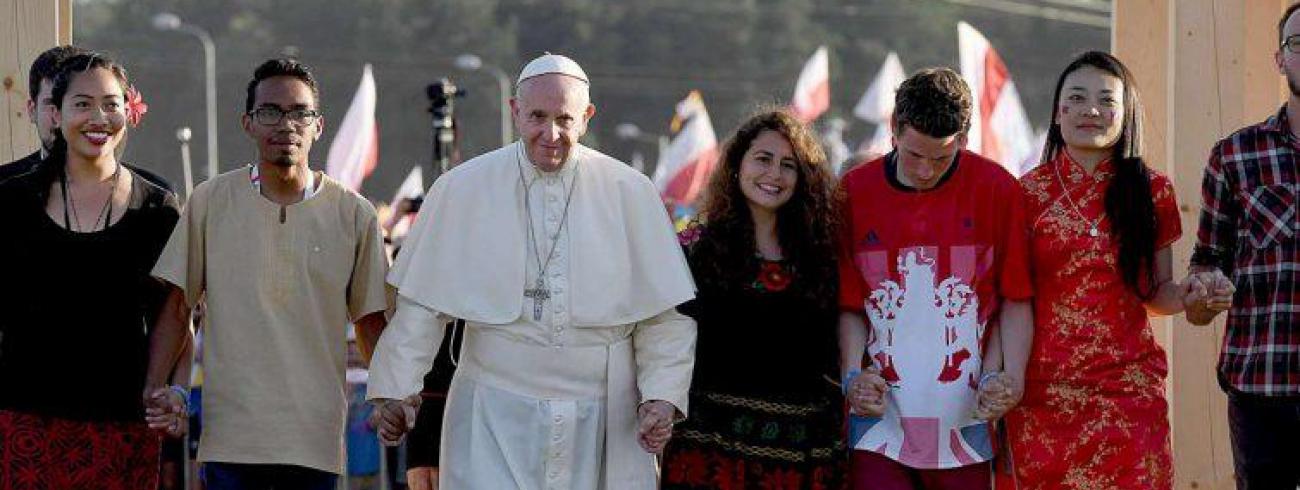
(1075, 418)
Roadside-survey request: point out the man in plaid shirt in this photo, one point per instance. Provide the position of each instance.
(1248, 228)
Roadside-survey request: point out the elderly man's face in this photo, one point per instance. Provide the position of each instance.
(551, 112)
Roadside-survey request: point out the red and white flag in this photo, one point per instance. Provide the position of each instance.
(411, 187)
(877, 104)
(812, 93)
(1035, 154)
(355, 149)
(1000, 128)
(684, 167)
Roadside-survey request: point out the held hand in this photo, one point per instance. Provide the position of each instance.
(1209, 290)
(1222, 290)
(998, 394)
(165, 411)
(867, 393)
(393, 418)
(655, 425)
(1194, 290)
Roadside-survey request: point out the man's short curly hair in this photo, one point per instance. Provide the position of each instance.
(933, 101)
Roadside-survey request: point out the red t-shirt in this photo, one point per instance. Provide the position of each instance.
(929, 269)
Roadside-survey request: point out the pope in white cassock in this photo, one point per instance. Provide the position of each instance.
(564, 264)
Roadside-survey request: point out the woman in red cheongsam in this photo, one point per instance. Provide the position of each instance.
(1094, 413)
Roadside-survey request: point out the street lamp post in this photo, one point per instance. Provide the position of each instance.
(183, 136)
(471, 62)
(167, 21)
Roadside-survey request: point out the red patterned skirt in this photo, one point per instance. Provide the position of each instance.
(47, 453)
(739, 443)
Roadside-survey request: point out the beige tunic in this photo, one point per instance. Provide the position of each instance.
(279, 298)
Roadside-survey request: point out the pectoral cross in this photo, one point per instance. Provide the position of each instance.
(539, 294)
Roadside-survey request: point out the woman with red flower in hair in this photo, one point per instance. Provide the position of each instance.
(764, 412)
(82, 232)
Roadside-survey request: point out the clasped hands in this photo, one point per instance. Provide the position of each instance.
(165, 410)
(866, 393)
(394, 418)
(1209, 290)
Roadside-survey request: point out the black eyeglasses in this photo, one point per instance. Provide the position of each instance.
(271, 116)
(1292, 44)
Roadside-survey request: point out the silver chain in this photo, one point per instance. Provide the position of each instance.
(532, 235)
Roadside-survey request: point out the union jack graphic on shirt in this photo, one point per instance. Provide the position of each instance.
(926, 336)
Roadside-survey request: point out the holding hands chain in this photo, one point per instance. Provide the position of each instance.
(655, 425)
(1208, 290)
(865, 391)
(166, 409)
(392, 419)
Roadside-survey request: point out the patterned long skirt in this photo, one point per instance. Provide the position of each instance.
(48, 453)
(732, 443)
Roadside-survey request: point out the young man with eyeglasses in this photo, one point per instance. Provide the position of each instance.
(1247, 239)
(286, 257)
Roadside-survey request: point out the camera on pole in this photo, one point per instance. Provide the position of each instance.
(442, 104)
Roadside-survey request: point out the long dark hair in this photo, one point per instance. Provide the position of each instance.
(52, 167)
(806, 224)
(1129, 205)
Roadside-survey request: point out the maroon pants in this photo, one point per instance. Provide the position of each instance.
(47, 453)
(871, 471)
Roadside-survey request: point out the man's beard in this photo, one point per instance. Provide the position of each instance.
(47, 144)
(1293, 84)
(283, 160)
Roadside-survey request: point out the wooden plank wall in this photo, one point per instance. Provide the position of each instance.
(27, 27)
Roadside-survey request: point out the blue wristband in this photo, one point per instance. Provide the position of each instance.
(183, 392)
(987, 376)
(848, 380)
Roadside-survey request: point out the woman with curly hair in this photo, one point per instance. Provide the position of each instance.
(764, 413)
(82, 231)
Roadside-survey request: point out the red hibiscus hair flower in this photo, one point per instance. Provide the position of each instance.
(135, 106)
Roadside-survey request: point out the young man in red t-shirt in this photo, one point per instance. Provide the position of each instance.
(935, 293)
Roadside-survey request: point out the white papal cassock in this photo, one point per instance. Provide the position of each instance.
(549, 402)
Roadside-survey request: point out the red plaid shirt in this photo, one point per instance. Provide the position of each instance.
(1249, 223)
